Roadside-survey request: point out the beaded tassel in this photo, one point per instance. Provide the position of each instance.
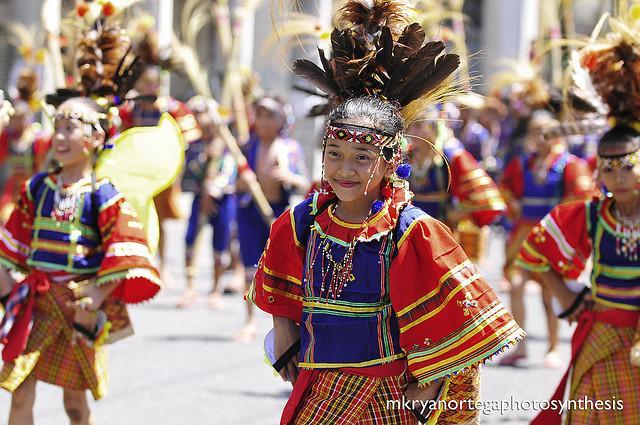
(627, 239)
(65, 203)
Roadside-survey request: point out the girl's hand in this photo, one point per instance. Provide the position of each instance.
(287, 333)
(568, 298)
(83, 315)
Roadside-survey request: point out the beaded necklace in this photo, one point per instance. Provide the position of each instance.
(65, 200)
(338, 271)
(627, 236)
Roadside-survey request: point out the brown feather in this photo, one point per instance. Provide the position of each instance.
(311, 72)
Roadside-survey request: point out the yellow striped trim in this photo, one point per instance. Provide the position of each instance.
(360, 364)
(293, 229)
(13, 243)
(498, 311)
(618, 292)
(375, 218)
(533, 252)
(473, 174)
(487, 194)
(608, 303)
(280, 292)
(441, 307)
(498, 334)
(62, 226)
(480, 181)
(406, 233)
(61, 248)
(282, 276)
(630, 272)
(337, 307)
(444, 277)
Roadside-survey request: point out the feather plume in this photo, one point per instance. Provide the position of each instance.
(613, 65)
(377, 51)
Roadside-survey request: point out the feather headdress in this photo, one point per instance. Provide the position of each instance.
(612, 62)
(106, 63)
(376, 51)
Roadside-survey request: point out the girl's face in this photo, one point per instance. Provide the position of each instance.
(348, 167)
(621, 176)
(72, 146)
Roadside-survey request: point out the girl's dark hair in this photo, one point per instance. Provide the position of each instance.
(620, 134)
(372, 112)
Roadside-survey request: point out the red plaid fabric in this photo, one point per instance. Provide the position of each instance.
(339, 398)
(603, 372)
(55, 353)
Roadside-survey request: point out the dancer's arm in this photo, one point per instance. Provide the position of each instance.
(6, 283)
(287, 333)
(565, 296)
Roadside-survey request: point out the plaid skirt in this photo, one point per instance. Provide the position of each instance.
(339, 398)
(603, 371)
(55, 353)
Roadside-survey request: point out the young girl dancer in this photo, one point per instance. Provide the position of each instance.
(384, 302)
(606, 344)
(82, 253)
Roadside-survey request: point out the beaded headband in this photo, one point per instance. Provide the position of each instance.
(617, 162)
(360, 134)
(93, 119)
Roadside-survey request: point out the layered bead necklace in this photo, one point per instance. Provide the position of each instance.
(66, 200)
(337, 272)
(627, 236)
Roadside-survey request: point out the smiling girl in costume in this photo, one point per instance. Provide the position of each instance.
(80, 246)
(383, 300)
(605, 361)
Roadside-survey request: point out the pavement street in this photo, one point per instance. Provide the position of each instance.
(183, 367)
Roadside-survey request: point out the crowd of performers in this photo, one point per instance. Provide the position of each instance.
(370, 275)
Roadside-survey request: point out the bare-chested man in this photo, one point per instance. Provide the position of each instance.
(278, 165)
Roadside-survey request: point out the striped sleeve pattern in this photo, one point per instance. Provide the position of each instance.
(15, 236)
(127, 258)
(277, 286)
(560, 241)
(449, 317)
(476, 190)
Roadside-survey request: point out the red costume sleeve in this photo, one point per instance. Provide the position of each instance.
(126, 255)
(512, 183)
(450, 319)
(578, 181)
(560, 241)
(477, 192)
(277, 286)
(15, 236)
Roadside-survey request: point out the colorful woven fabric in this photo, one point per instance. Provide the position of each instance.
(55, 352)
(338, 398)
(464, 388)
(564, 240)
(105, 240)
(603, 372)
(448, 317)
(103, 243)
